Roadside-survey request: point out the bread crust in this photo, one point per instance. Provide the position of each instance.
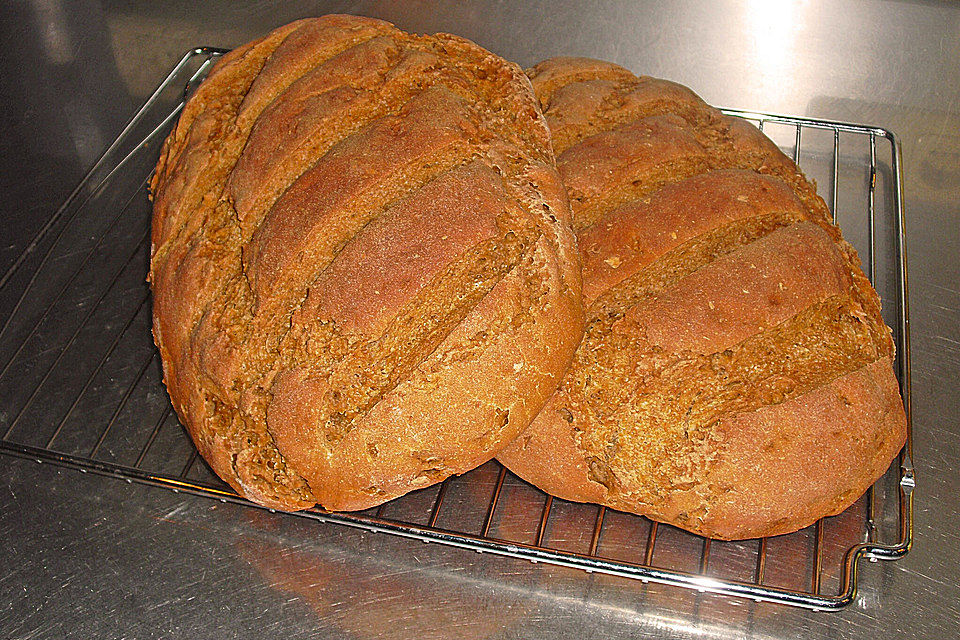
(363, 271)
(735, 378)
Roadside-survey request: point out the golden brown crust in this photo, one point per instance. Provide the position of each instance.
(859, 420)
(363, 272)
(735, 376)
(754, 289)
(637, 233)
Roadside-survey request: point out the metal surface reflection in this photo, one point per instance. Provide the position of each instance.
(770, 35)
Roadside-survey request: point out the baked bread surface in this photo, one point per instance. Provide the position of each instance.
(363, 273)
(735, 378)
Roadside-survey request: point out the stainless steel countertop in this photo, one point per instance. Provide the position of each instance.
(85, 556)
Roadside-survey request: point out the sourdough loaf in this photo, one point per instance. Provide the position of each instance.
(363, 274)
(735, 376)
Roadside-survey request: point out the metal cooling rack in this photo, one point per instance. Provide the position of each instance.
(80, 383)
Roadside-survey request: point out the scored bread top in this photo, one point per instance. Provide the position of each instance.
(364, 277)
(735, 375)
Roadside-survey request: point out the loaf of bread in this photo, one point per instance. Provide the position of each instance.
(735, 378)
(363, 273)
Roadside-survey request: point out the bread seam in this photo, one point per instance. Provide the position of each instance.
(162, 174)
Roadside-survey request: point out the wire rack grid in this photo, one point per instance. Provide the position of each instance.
(80, 383)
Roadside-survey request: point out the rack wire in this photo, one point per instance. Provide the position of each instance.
(80, 383)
